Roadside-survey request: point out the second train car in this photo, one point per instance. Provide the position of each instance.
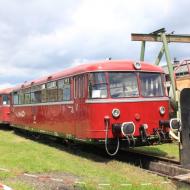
(5, 99)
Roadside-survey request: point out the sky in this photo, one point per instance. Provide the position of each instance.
(39, 37)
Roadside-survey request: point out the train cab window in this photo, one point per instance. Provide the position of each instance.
(51, 91)
(97, 86)
(64, 89)
(123, 84)
(5, 100)
(151, 84)
(15, 98)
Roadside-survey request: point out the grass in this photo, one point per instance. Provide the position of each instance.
(23, 155)
(170, 150)
(16, 185)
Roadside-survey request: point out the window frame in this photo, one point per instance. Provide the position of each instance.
(13, 97)
(37, 88)
(49, 90)
(65, 83)
(161, 85)
(27, 91)
(105, 82)
(7, 99)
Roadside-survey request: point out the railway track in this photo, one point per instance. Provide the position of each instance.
(161, 166)
(153, 157)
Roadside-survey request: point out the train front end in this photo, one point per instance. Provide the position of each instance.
(130, 106)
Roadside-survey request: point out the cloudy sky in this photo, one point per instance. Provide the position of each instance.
(38, 37)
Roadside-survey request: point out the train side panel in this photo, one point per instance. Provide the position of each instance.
(5, 114)
(86, 121)
(59, 118)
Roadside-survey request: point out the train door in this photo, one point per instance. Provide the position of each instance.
(1, 108)
(5, 103)
(79, 102)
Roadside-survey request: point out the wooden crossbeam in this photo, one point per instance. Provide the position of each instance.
(158, 38)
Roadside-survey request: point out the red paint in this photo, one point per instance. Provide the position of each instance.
(86, 120)
(137, 116)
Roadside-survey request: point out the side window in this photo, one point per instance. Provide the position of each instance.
(79, 86)
(64, 89)
(5, 99)
(43, 92)
(38, 94)
(27, 96)
(51, 91)
(15, 98)
(75, 87)
(97, 86)
(21, 97)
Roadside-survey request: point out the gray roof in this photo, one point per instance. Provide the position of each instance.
(181, 67)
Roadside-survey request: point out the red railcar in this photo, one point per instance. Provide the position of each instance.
(5, 97)
(121, 100)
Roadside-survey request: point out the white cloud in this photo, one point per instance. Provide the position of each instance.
(6, 85)
(39, 37)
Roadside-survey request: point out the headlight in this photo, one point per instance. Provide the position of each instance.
(116, 112)
(137, 65)
(162, 110)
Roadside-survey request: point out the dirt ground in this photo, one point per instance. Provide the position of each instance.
(50, 181)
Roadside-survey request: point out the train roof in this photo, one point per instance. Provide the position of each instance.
(6, 90)
(108, 65)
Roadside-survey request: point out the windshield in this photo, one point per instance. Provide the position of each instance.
(151, 84)
(123, 84)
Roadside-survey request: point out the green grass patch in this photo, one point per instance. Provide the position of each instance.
(17, 185)
(5, 175)
(23, 155)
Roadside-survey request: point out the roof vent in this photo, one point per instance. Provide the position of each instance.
(49, 78)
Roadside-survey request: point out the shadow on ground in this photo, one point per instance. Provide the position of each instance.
(89, 151)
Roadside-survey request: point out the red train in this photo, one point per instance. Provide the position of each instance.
(121, 101)
(5, 98)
